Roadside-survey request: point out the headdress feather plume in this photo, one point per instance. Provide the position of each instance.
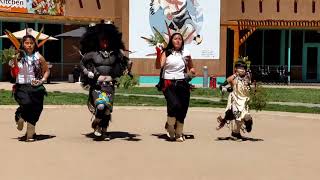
(13, 39)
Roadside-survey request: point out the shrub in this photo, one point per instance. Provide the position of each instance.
(127, 81)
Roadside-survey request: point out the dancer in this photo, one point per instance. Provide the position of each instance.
(175, 62)
(102, 64)
(30, 70)
(237, 110)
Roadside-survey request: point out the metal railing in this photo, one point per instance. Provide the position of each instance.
(275, 73)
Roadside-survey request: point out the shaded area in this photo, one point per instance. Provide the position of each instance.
(229, 138)
(37, 137)
(166, 138)
(115, 135)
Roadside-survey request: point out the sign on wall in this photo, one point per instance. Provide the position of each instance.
(153, 21)
(47, 7)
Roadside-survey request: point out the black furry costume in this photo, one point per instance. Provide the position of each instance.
(102, 61)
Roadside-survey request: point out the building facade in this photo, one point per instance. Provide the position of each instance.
(276, 35)
(280, 37)
(63, 54)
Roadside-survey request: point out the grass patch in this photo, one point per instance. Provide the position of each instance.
(294, 95)
(53, 98)
(139, 90)
(297, 109)
(273, 94)
(59, 98)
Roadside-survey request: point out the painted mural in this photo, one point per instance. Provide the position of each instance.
(153, 21)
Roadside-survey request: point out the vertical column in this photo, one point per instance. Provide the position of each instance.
(22, 25)
(304, 58)
(124, 20)
(283, 47)
(318, 65)
(236, 43)
(43, 46)
(205, 76)
(62, 53)
(289, 56)
(1, 72)
(36, 26)
(262, 49)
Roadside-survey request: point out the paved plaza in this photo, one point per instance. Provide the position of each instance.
(281, 146)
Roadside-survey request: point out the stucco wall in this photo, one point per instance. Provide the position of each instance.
(231, 10)
(90, 8)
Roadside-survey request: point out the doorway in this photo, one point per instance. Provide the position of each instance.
(311, 62)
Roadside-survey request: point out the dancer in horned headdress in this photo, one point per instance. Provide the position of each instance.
(30, 70)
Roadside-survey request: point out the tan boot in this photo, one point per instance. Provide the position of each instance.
(31, 131)
(20, 124)
(179, 132)
(171, 122)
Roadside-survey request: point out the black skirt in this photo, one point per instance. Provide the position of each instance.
(30, 100)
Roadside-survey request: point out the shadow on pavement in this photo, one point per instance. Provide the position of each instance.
(37, 137)
(115, 135)
(165, 137)
(229, 138)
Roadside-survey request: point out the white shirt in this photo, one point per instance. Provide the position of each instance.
(174, 67)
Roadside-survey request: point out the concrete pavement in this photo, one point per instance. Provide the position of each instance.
(282, 146)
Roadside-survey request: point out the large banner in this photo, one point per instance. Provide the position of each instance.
(152, 22)
(48, 7)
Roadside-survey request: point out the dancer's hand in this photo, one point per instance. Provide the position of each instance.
(159, 49)
(224, 89)
(37, 82)
(193, 71)
(90, 75)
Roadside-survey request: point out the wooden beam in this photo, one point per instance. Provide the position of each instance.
(8, 16)
(247, 35)
(236, 43)
(278, 24)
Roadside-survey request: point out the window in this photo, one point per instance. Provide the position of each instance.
(243, 9)
(296, 47)
(313, 6)
(278, 5)
(260, 6)
(295, 6)
(272, 47)
(98, 4)
(80, 3)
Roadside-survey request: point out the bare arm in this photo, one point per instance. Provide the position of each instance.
(231, 78)
(163, 60)
(190, 65)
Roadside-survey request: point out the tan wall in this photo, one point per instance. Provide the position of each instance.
(231, 10)
(118, 10)
(90, 8)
